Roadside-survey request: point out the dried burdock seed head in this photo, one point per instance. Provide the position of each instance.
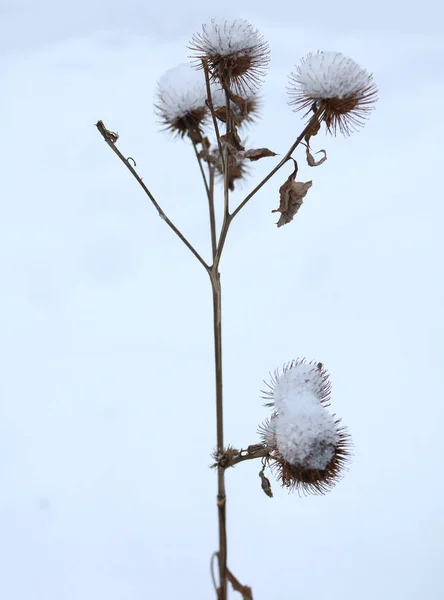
(344, 91)
(308, 447)
(244, 109)
(238, 169)
(221, 459)
(181, 102)
(234, 52)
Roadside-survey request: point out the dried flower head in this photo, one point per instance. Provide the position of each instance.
(344, 91)
(181, 101)
(238, 169)
(235, 53)
(308, 447)
(244, 108)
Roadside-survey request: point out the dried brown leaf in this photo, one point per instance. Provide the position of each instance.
(256, 154)
(221, 114)
(311, 161)
(314, 129)
(232, 139)
(291, 194)
(240, 102)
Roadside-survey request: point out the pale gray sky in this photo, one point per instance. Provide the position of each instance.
(106, 387)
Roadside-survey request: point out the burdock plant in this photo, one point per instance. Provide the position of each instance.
(207, 102)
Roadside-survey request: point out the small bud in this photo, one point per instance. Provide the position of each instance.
(265, 483)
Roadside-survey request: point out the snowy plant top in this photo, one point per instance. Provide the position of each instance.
(331, 75)
(234, 52)
(296, 384)
(226, 38)
(306, 433)
(180, 91)
(308, 448)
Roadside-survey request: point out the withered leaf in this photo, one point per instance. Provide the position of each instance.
(221, 113)
(232, 139)
(291, 194)
(314, 129)
(311, 161)
(195, 135)
(256, 154)
(240, 102)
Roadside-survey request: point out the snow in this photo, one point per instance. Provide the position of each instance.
(295, 383)
(303, 430)
(306, 433)
(226, 38)
(181, 90)
(330, 75)
(218, 97)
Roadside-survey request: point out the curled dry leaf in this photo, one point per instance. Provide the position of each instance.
(314, 129)
(291, 194)
(232, 140)
(311, 161)
(221, 113)
(258, 153)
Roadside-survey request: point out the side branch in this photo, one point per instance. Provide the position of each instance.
(213, 114)
(111, 138)
(312, 122)
(245, 591)
(209, 189)
(231, 456)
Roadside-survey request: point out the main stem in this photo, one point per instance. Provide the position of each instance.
(221, 497)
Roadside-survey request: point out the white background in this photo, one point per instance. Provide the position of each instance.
(107, 416)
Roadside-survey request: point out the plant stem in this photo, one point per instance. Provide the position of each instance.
(211, 169)
(221, 496)
(209, 188)
(201, 169)
(213, 114)
(217, 321)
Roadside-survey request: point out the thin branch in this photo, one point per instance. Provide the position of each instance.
(244, 590)
(299, 139)
(213, 577)
(227, 217)
(110, 138)
(211, 169)
(209, 188)
(252, 452)
(227, 162)
(213, 114)
(307, 128)
(199, 160)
